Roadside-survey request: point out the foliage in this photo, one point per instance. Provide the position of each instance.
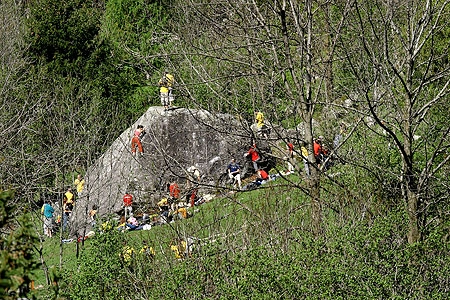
(17, 261)
(63, 33)
(268, 253)
(99, 273)
(86, 69)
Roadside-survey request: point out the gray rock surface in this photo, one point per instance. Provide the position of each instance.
(175, 140)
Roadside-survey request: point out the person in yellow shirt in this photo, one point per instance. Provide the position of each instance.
(79, 184)
(164, 208)
(68, 204)
(165, 88)
(259, 119)
(170, 83)
(181, 212)
(259, 126)
(69, 196)
(305, 158)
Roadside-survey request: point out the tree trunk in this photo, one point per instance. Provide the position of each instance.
(414, 217)
(314, 181)
(316, 208)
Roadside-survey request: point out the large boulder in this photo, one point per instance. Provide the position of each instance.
(174, 141)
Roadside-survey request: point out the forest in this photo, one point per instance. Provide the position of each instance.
(76, 73)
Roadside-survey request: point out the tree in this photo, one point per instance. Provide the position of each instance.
(16, 249)
(401, 71)
(271, 55)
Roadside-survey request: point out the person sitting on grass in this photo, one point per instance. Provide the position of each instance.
(133, 224)
(263, 177)
(164, 208)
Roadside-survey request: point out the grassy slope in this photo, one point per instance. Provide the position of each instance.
(259, 243)
(222, 218)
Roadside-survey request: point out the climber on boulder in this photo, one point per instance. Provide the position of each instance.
(136, 141)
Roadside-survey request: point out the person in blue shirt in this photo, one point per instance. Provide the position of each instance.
(47, 211)
(234, 172)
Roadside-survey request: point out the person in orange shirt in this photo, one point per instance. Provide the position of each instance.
(136, 141)
(174, 191)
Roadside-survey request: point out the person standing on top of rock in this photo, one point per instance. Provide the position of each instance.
(165, 89)
(170, 83)
(136, 141)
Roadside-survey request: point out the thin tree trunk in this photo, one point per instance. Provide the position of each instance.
(414, 234)
(314, 182)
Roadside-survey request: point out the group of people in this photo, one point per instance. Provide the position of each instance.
(170, 207)
(291, 156)
(234, 169)
(68, 202)
(322, 155)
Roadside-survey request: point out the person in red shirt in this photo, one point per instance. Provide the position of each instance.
(317, 147)
(174, 191)
(127, 203)
(253, 152)
(290, 148)
(320, 153)
(262, 177)
(263, 174)
(290, 157)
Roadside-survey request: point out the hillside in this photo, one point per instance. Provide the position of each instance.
(360, 88)
(256, 243)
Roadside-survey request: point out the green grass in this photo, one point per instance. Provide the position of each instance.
(260, 243)
(219, 218)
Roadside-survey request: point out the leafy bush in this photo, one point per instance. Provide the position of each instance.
(99, 274)
(17, 262)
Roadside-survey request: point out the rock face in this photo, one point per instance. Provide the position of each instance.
(174, 141)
